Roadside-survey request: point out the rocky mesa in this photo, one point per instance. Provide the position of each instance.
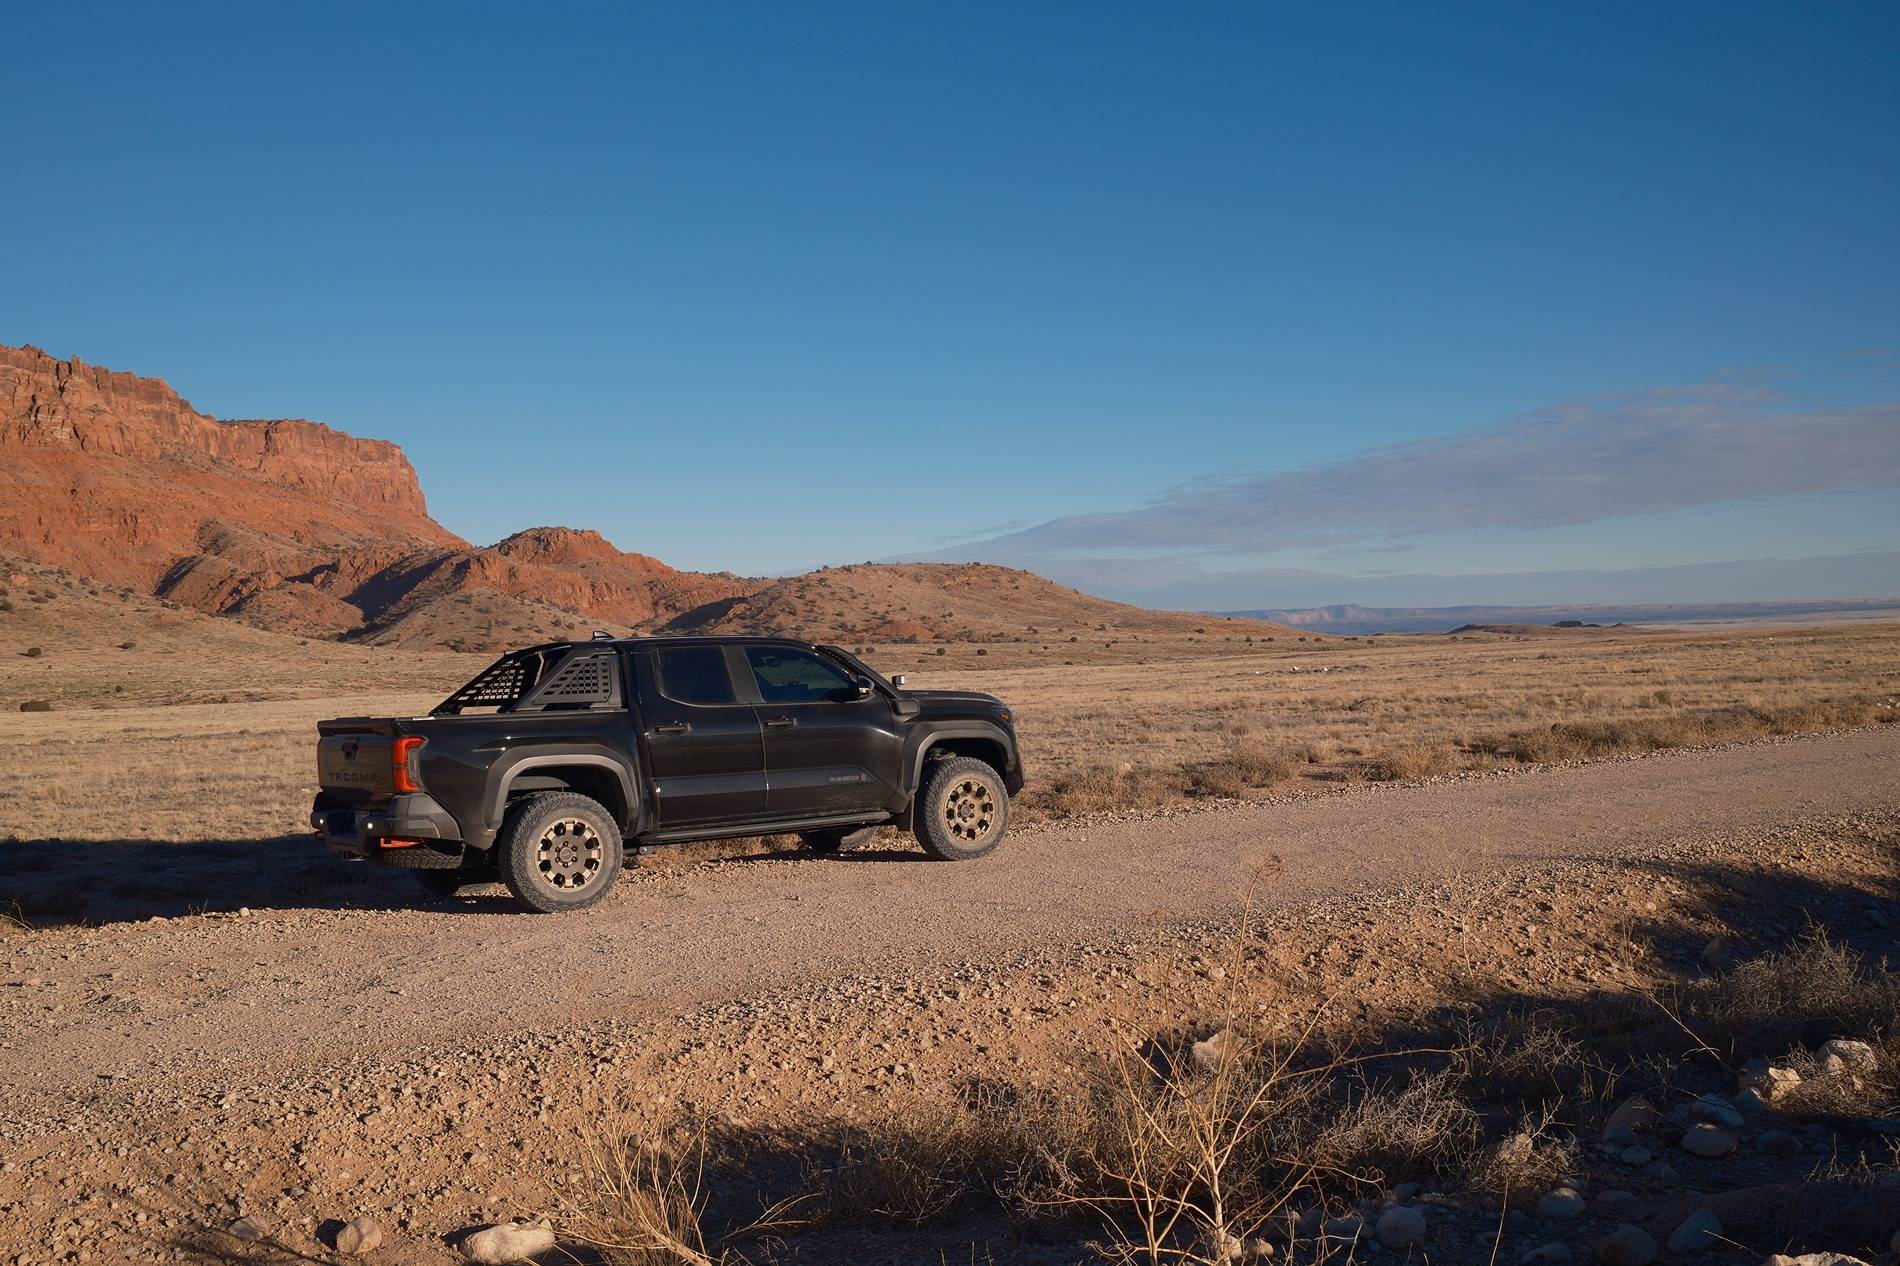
(295, 526)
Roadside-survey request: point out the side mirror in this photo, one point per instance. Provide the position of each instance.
(899, 681)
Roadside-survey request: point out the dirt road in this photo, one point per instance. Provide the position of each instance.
(287, 988)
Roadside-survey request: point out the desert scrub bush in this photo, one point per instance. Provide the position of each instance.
(1413, 760)
(1532, 1058)
(1810, 992)
(1382, 1135)
(34, 652)
(1531, 1158)
(1247, 766)
(644, 1198)
(37, 705)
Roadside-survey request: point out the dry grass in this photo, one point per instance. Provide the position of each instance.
(205, 712)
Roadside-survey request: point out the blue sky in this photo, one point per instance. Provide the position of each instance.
(763, 287)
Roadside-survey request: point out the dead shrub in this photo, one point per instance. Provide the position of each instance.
(1422, 1129)
(1413, 760)
(1530, 1158)
(643, 1201)
(1530, 1057)
(1248, 766)
(1809, 992)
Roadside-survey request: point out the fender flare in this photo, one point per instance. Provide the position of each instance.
(914, 760)
(512, 764)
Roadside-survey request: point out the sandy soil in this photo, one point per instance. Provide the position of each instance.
(426, 1062)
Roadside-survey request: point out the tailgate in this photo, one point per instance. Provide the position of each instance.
(355, 768)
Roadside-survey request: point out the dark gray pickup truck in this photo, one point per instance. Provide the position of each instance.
(555, 760)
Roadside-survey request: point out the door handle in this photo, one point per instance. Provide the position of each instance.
(781, 723)
(674, 727)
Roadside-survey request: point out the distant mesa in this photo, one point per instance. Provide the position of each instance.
(297, 527)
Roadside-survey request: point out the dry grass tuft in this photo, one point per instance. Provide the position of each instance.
(1414, 760)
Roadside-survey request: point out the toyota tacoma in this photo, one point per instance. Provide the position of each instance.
(556, 760)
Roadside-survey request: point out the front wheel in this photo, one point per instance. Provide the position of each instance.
(962, 809)
(559, 851)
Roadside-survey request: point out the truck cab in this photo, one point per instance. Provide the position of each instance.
(636, 743)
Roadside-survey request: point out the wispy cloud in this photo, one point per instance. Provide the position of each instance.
(1668, 449)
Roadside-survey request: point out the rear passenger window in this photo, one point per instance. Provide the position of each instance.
(789, 676)
(695, 674)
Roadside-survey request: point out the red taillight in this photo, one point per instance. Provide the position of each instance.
(402, 756)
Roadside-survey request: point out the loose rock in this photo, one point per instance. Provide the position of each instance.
(1777, 1143)
(359, 1235)
(1700, 1230)
(1560, 1202)
(1627, 1245)
(508, 1242)
(1857, 1056)
(1215, 1050)
(1707, 1140)
(250, 1228)
(1399, 1227)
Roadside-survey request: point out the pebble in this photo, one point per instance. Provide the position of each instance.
(1215, 1050)
(1696, 1232)
(1716, 1110)
(508, 1242)
(1399, 1227)
(359, 1235)
(249, 1228)
(1707, 1140)
(1627, 1245)
(1632, 1114)
(1560, 1202)
(1858, 1056)
(1777, 1143)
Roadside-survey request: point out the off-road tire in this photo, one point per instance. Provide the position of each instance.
(962, 810)
(559, 851)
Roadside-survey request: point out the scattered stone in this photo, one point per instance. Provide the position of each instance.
(1347, 1226)
(1637, 1155)
(1715, 1110)
(1632, 1114)
(359, 1235)
(1718, 955)
(1777, 1143)
(1214, 1051)
(1856, 1056)
(1399, 1227)
(1696, 1232)
(250, 1228)
(1767, 1080)
(1560, 1202)
(1707, 1140)
(1612, 1196)
(1749, 1103)
(508, 1242)
(1627, 1245)
(1546, 1255)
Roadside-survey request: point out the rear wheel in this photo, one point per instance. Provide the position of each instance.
(962, 809)
(559, 851)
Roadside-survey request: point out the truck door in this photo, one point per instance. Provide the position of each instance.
(827, 750)
(705, 751)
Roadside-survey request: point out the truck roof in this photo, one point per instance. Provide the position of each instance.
(670, 639)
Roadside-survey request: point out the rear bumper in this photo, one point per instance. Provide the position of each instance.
(361, 832)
